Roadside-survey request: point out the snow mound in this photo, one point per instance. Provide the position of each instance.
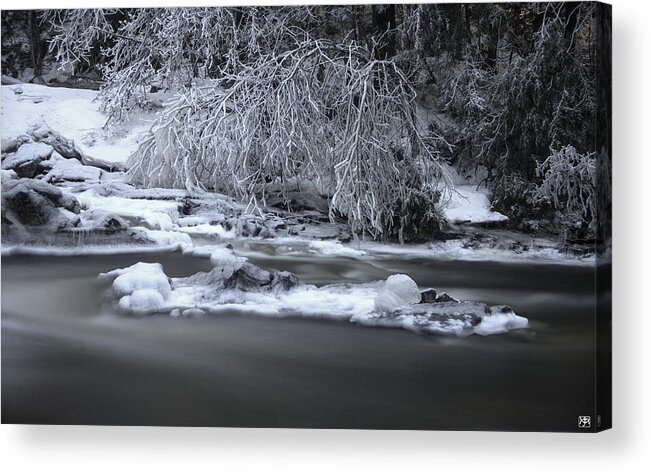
(142, 275)
(500, 323)
(141, 288)
(387, 302)
(142, 302)
(404, 287)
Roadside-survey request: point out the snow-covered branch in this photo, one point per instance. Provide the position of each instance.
(323, 113)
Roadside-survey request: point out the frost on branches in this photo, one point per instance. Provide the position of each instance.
(275, 101)
(167, 47)
(324, 116)
(569, 183)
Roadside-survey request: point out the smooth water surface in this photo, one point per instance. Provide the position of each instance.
(66, 359)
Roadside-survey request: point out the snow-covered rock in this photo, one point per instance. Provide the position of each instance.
(160, 238)
(250, 278)
(97, 219)
(445, 298)
(140, 276)
(283, 281)
(428, 296)
(141, 288)
(149, 213)
(460, 319)
(142, 302)
(226, 261)
(65, 147)
(36, 203)
(71, 170)
(27, 159)
(8, 175)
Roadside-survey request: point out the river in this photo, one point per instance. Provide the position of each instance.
(66, 359)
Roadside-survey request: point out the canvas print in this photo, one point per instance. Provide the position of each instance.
(334, 216)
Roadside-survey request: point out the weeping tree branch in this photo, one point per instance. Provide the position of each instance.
(325, 113)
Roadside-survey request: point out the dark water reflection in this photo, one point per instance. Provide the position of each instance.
(65, 360)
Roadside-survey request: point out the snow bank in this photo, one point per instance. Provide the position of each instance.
(470, 204)
(537, 251)
(73, 113)
(206, 229)
(153, 214)
(333, 248)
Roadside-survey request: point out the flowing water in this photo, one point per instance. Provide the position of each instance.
(66, 359)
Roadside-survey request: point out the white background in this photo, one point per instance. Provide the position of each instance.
(626, 447)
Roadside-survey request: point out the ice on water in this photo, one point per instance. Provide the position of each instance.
(145, 288)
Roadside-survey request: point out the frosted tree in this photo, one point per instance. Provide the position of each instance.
(526, 84)
(169, 48)
(569, 183)
(273, 99)
(79, 33)
(322, 114)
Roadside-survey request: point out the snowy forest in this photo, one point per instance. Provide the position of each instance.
(370, 108)
(439, 168)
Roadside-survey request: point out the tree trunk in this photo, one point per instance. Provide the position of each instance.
(492, 47)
